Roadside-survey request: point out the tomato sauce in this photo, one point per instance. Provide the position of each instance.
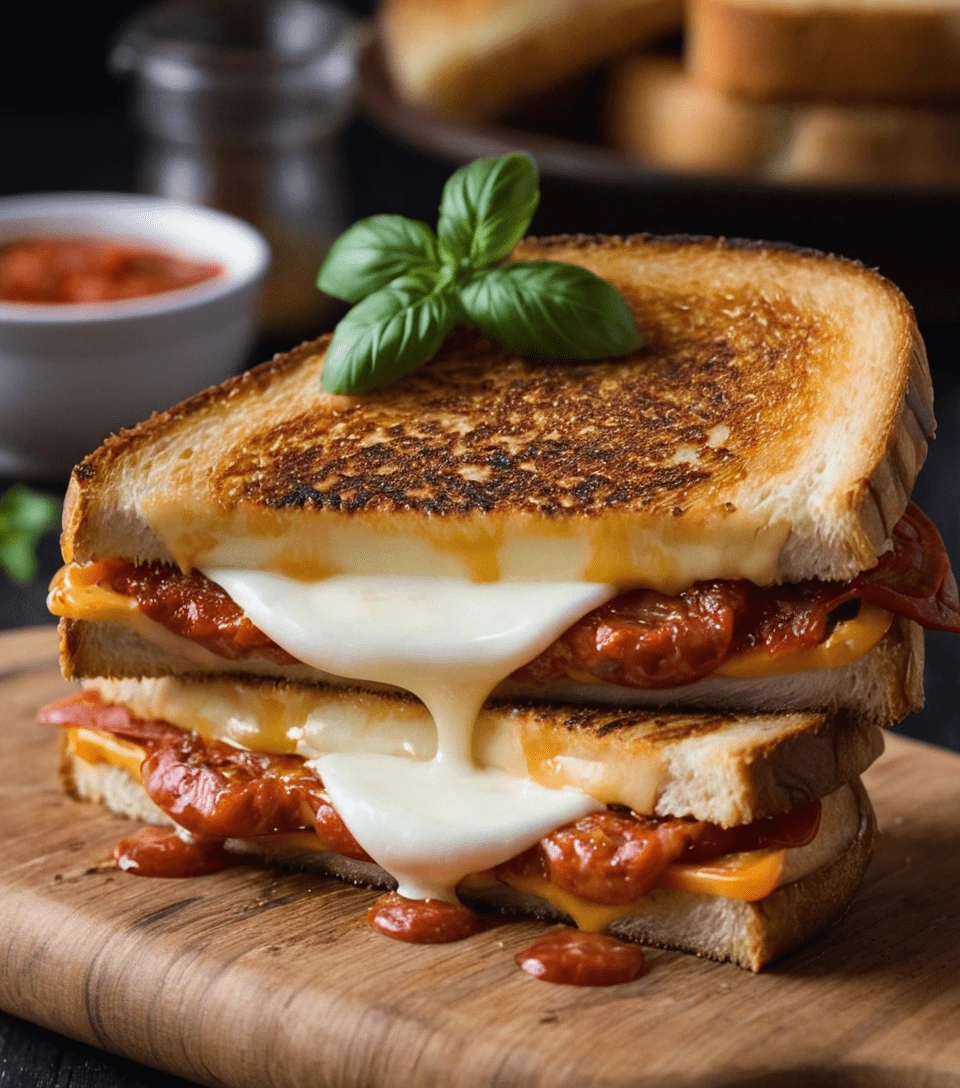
(190, 605)
(614, 858)
(209, 788)
(61, 271)
(218, 791)
(156, 851)
(335, 835)
(640, 639)
(645, 639)
(573, 958)
(422, 921)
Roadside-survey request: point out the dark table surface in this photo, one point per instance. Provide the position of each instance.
(99, 151)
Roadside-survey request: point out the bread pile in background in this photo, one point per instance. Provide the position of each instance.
(782, 89)
(846, 91)
(475, 58)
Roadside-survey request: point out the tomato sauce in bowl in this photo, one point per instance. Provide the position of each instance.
(65, 271)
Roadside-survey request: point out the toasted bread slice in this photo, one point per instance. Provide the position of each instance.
(882, 687)
(771, 428)
(832, 51)
(475, 57)
(748, 934)
(659, 113)
(727, 768)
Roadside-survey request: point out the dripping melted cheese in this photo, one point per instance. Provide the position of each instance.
(450, 642)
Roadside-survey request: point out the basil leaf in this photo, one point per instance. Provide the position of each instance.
(25, 516)
(487, 207)
(387, 335)
(17, 558)
(375, 251)
(548, 310)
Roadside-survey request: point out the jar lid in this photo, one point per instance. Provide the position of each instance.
(240, 71)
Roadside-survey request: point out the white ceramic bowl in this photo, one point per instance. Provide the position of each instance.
(72, 374)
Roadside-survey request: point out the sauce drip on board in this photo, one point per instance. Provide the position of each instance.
(572, 958)
(61, 271)
(161, 852)
(422, 921)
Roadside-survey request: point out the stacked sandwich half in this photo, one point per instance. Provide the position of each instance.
(608, 643)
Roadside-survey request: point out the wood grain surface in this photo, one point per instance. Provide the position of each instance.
(257, 978)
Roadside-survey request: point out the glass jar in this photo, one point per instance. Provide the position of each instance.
(240, 101)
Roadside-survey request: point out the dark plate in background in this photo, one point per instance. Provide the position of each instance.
(911, 234)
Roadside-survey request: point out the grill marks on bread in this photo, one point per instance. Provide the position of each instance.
(652, 727)
(478, 431)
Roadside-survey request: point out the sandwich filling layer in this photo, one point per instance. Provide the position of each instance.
(432, 822)
(641, 639)
(595, 868)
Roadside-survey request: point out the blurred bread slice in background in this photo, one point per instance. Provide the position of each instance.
(660, 114)
(474, 58)
(834, 50)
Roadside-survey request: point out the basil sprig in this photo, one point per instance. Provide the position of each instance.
(410, 285)
(25, 516)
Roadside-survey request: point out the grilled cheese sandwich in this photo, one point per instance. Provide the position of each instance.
(400, 616)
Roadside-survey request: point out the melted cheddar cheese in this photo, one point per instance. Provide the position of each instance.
(749, 877)
(97, 746)
(846, 643)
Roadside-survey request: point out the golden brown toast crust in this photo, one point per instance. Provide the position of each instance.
(726, 396)
(477, 430)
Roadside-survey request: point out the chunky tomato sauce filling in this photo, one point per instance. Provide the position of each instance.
(189, 605)
(614, 858)
(645, 639)
(211, 789)
(216, 791)
(640, 639)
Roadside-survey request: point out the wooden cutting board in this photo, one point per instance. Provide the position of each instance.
(253, 978)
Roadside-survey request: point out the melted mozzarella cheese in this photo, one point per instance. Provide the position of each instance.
(449, 642)
(431, 823)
